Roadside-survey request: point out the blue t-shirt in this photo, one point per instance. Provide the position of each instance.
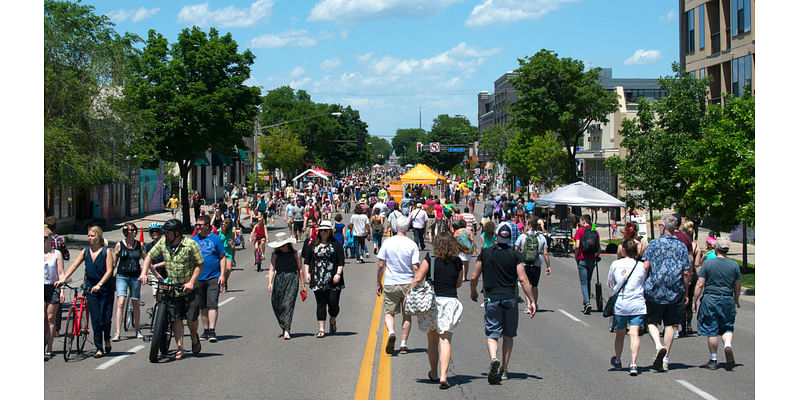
(212, 249)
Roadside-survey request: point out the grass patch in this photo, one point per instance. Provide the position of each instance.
(749, 281)
(614, 241)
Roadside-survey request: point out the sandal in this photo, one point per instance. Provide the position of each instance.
(178, 355)
(333, 327)
(98, 354)
(444, 385)
(432, 377)
(320, 334)
(48, 355)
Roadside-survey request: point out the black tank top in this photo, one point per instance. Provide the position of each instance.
(128, 264)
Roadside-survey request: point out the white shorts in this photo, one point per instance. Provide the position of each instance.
(445, 318)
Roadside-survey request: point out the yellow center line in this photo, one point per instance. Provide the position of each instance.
(365, 375)
(383, 385)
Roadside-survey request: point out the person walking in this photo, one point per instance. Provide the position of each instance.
(626, 277)
(666, 262)
(586, 260)
(285, 267)
(418, 220)
(324, 272)
(446, 270)
(128, 255)
(501, 267)
(172, 204)
(53, 297)
(719, 282)
(376, 226)
(533, 246)
(196, 204)
(99, 269)
(360, 221)
(212, 276)
(399, 259)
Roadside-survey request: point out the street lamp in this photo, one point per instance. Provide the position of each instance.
(259, 128)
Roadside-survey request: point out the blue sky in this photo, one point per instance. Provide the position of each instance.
(389, 58)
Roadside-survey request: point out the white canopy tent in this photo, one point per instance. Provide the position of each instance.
(314, 173)
(579, 194)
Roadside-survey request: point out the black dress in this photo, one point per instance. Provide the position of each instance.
(285, 284)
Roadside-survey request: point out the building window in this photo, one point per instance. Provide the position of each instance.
(690, 31)
(702, 30)
(741, 74)
(740, 17)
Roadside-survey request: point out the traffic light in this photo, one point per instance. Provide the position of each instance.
(419, 147)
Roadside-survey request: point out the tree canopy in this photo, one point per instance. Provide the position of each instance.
(193, 97)
(556, 95)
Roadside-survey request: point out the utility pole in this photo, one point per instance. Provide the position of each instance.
(420, 118)
(256, 130)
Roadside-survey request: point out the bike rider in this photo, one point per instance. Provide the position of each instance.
(184, 262)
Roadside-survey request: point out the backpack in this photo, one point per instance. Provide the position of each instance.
(530, 250)
(590, 242)
(448, 212)
(463, 238)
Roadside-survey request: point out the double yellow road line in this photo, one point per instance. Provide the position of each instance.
(383, 384)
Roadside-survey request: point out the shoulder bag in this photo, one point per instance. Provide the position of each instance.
(421, 299)
(608, 311)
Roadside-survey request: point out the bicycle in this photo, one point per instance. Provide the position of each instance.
(258, 255)
(160, 331)
(128, 322)
(79, 329)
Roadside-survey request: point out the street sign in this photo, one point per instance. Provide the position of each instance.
(434, 147)
(455, 150)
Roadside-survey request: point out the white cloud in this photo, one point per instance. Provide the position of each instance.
(135, 16)
(665, 19)
(299, 38)
(643, 57)
(330, 64)
(350, 12)
(297, 72)
(461, 58)
(228, 17)
(509, 11)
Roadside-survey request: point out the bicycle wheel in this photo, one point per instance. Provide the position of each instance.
(167, 338)
(159, 332)
(127, 311)
(68, 337)
(83, 333)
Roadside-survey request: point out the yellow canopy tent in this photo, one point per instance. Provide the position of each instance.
(421, 174)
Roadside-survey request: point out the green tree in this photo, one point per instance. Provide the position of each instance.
(721, 165)
(281, 149)
(449, 131)
(539, 158)
(495, 140)
(193, 96)
(380, 149)
(556, 95)
(404, 144)
(86, 134)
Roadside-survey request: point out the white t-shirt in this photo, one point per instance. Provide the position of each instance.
(381, 207)
(400, 254)
(631, 300)
(359, 222)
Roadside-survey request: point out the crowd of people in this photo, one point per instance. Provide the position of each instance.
(657, 283)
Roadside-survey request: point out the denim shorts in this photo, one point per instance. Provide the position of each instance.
(125, 282)
(716, 315)
(501, 318)
(622, 321)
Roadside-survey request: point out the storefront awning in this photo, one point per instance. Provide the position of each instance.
(218, 160)
(242, 155)
(202, 161)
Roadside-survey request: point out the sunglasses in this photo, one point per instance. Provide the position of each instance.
(127, 230)
(199, 225)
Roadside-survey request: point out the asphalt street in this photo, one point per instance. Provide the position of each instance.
(559, 354)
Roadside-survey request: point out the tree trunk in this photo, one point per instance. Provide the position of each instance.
(652, 228)
(183, 166)
(745, 267)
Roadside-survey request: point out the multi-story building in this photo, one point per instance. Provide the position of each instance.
(493, 109)
(717, 39)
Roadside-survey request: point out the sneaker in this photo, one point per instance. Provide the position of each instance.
(139, 335)
(494, 377)
(729, 361)
(390, 344)
(374, 250)
(115, 338)
(616, 363)
(212, 336)
(712, 364)
(204, 336)
(587, 308)
(658, 363)
(633, 371)
(665, 366)
(504, 375)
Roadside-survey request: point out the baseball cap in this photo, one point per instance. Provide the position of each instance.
(503, 234)
(723, 243)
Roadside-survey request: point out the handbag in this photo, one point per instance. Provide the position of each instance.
(608, 311)
(421, 299)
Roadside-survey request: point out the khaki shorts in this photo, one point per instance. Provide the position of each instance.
(393, 296)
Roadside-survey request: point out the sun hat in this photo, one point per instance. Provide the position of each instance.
(281, 238)
(325, 225)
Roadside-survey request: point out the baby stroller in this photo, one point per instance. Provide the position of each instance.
(238, 238)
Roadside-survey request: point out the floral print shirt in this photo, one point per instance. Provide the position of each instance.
(323, 261)
(668, 259)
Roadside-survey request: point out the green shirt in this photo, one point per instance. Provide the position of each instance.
(181, 261)
(226, 242)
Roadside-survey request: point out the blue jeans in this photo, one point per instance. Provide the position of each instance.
(585, 268)
(360, 245)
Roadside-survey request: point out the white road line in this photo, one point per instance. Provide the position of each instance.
(119, 358)
(696, 390)
(226, 300)
(572, 317)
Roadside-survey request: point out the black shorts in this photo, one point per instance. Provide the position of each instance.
(184, 307)
(669, 314)
(533, 272)
(52, 295)
(298, 226)
(208, 292)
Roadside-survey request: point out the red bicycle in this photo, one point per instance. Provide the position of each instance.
(77, 323)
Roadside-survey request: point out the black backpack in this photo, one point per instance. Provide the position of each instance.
(590, 242)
